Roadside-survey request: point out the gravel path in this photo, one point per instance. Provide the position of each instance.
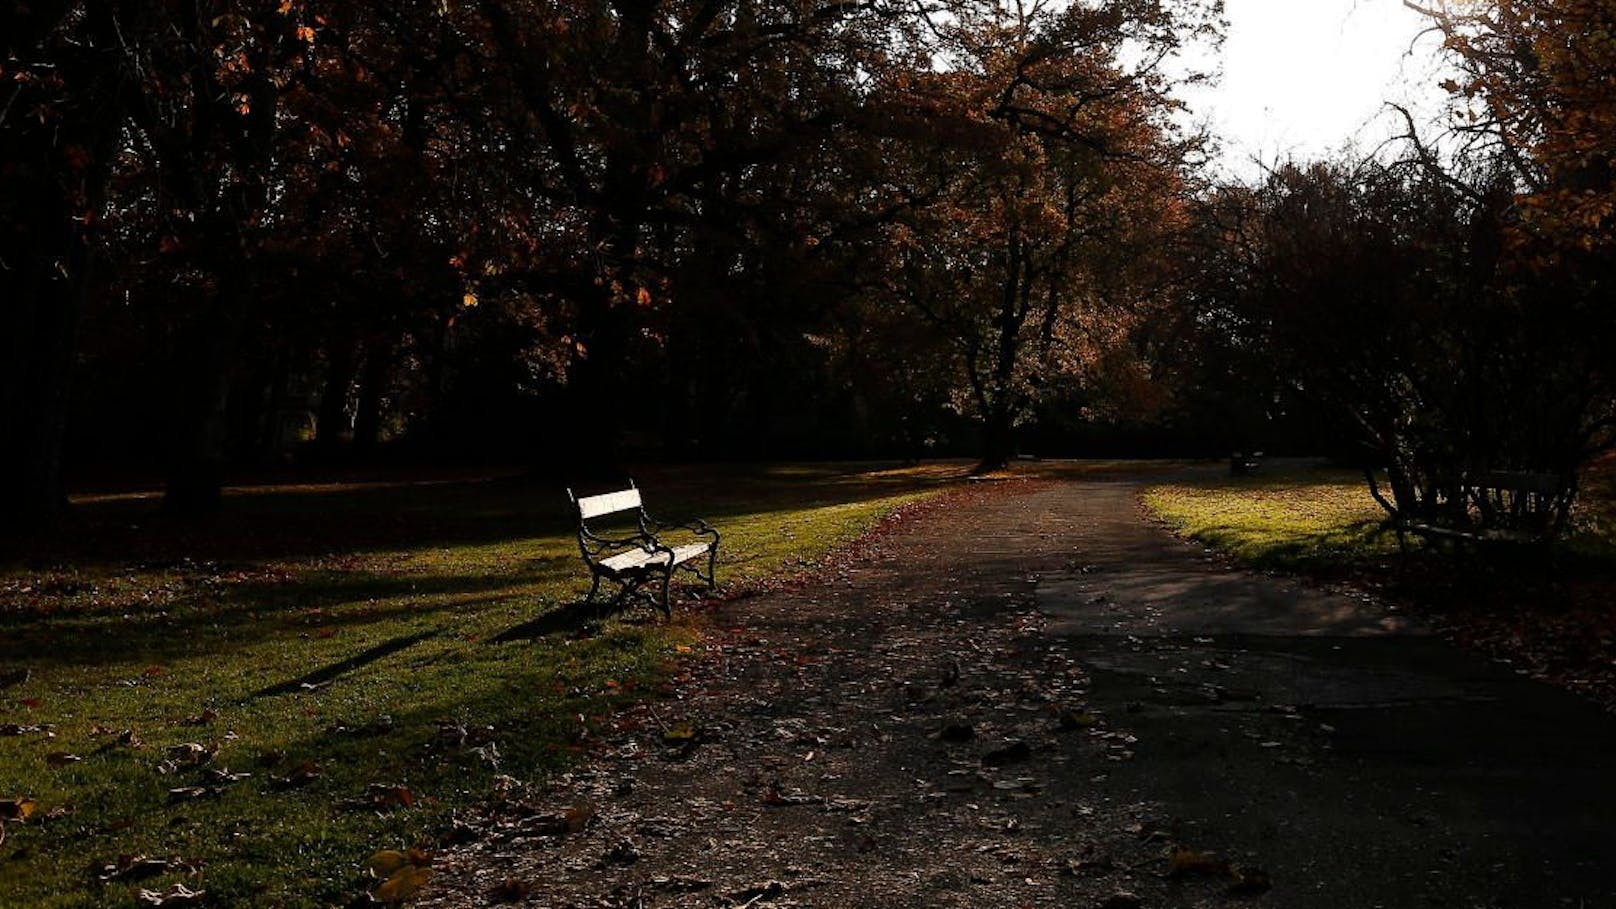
(1026, 695)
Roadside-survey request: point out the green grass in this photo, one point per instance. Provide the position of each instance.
(1321, 519)
(1302, 519)
(334, 638)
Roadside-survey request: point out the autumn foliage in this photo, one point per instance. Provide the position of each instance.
(690, 227)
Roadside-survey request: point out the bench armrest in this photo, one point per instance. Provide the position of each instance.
(652, 526)
(643, 540)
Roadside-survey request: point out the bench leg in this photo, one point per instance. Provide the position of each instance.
(712, 562)
(667, 578)
(593, 587)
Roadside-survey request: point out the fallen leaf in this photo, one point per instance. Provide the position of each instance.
(305, 774)
(1184, 862)
(173, 898)
(381, 797)
(223, 777)
(1070, 721)
(623, 853)
(187, 754)
(758, 894)
(1012, 752)
(578, 817)
(510, 891)
(402, 884)
(386, 862)
(1248, 881)
(202, 719)
(135, 868)
(17, 809)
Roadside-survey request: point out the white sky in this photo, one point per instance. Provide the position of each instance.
(1303, 78)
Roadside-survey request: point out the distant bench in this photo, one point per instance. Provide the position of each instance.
(1518, 507)
(1242, 463)
(641, 556)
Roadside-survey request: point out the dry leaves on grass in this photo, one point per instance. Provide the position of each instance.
(401, 874)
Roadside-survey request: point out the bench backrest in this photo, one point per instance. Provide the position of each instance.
(607, 503)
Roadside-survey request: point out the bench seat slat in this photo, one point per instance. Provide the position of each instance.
(636, 559)
(608, 503)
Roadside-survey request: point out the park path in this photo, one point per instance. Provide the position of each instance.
(1026, 694)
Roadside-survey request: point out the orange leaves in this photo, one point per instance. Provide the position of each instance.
(20, 809)
(402, 874)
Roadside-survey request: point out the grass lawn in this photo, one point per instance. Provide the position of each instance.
(1550, 617)
(1323, 519)
(257, 707)
(1297, 518)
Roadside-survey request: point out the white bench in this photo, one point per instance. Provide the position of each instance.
(640, 556)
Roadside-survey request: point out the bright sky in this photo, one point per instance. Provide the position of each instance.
(1302, 78)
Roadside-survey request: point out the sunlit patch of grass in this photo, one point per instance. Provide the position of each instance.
(1307, 519)
(371, 643)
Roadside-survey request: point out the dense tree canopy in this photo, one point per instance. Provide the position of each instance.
(711, 227)
(567, 234)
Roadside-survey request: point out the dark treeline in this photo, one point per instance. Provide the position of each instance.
(568, 234)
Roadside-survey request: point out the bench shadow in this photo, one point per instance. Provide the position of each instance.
(578, 615)
(328, 673)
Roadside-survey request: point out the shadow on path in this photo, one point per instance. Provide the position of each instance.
(1361, 760)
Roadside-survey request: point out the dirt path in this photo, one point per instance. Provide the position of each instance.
(1028, 696)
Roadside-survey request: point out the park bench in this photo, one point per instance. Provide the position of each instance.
(1511, 507)
(638, 555)
(1242, 463)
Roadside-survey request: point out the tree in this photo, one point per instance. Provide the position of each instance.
(1534, 90)
(1057, 172)
(59, 128)
(1386, 298)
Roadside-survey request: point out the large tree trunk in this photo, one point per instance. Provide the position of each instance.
(196, 469)
(998, 441)
(41, 310)
(332, 418)
(53, 175)
(373, 383)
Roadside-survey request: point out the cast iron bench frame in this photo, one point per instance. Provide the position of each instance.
(1510, 507)
(642, 557)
